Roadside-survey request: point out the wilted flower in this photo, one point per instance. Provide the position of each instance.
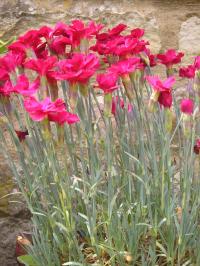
(21, 134)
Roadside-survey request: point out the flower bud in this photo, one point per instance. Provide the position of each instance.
(53, 86)
(73, 95)
(3, 119)
(168, 120)
(187, 125)
(128, 87)
(60, 134)
(46, 129)
(5, 105)
(84, 46)
(153, 99)
(145, 58)
(83, 90)
(108, 104)
(169, 71)
(197, 82)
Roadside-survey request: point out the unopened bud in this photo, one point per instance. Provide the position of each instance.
(83, 90)
(187, 125)
(128, 87)
(153, 100)
(170, 71)
(73, 96)
(168, 120)
(108, 104)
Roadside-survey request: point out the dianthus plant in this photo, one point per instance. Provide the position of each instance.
(106, 154)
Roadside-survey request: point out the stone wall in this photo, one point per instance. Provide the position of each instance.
(168, 23)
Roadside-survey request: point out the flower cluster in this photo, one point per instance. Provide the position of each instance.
(117, 61)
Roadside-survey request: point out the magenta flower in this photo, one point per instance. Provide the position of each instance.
(80, 31)
(123, 46)
(11, 61)
(187, 72)
(112, 43)
(170, 57)
(197, 62)
(187, 106)
(93, 29)
(159, 85)
(165, 99)
(7, 89)
(126, 66)
(197, 147)
(60, 29)
(45, 32)
(4, 75)
(115, 31)
(162, 90)
(30, 40)
(41, 66)
(107, 82)
(23, 86)
(137, 33)
(58, 44)
(79, 69)
(53, 111)
(111, 33)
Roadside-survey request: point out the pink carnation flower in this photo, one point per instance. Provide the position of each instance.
(187, 72)
(187, 106)
(53, 111)
(79, 69)
(107, 82)
(163, 89)
(170, 57)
